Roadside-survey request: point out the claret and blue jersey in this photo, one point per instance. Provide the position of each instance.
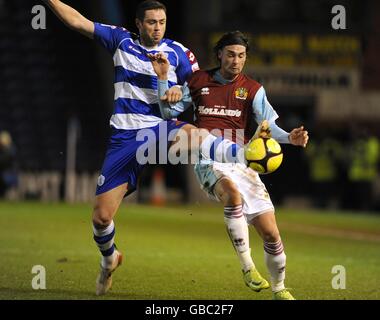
(136, 102)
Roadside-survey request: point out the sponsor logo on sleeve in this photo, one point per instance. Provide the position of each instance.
(193, 60)
(108, 25)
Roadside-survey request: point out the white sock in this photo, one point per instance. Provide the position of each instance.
(275, 260)
(107, 260)
(104, 239)
(246, 260)
(237, 229)
(221, 150)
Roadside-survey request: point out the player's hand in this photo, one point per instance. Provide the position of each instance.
(173, 95)
(299, 137)
(263, 130)
(160, 64)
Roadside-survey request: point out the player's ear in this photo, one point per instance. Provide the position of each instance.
(138, 23)
(220, 54)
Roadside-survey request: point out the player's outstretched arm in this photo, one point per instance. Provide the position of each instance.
(72, 18)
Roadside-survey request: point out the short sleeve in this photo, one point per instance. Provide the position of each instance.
(109, 36)
(187, 63)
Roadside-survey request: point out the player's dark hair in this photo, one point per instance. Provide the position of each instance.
(229, 39)
(148, 5)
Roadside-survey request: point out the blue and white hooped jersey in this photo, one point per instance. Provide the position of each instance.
(136, 102)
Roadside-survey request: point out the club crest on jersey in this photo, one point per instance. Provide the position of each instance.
(241, 93)
(101, 180)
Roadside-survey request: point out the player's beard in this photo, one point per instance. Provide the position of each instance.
(230, 74)
(148, 41)
(234, 72)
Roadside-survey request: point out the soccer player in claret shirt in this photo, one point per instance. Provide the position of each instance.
(225, 98)
(136, 108)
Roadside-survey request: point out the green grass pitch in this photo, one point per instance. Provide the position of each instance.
(181, 253)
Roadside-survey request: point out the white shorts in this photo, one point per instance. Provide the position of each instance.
(255, 197)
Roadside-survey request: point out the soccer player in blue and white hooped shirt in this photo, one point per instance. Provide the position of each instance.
(136, 108)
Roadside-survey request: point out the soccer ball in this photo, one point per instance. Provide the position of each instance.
(264, 155)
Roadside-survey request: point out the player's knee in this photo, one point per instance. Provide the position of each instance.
(234, 198)
(271, 236)
(101, 217)
(203, 133)
(231, 194)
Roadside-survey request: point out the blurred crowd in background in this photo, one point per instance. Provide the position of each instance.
(326, 79)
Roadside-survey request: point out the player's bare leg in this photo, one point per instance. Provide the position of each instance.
(237, 229)
(106, 205)
(184, 143)
(275, 257)
(201, 142)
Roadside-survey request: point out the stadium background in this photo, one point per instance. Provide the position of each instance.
(56, 94)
